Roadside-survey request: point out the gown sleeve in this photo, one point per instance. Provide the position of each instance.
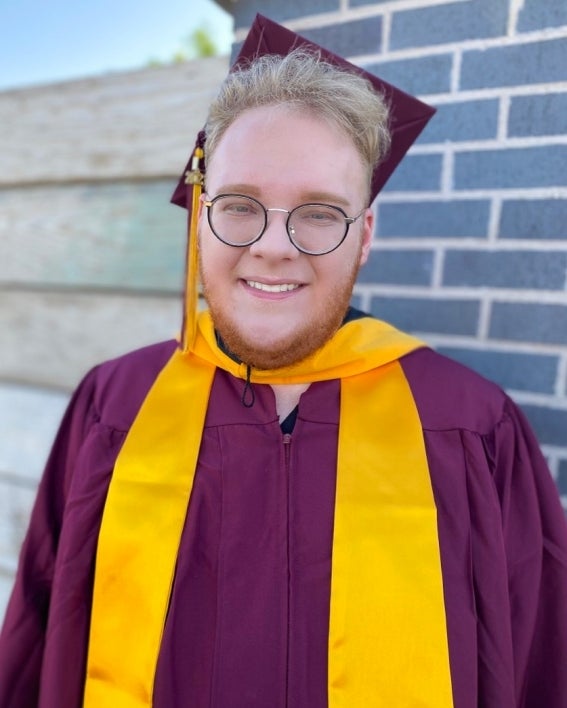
(23, 634)
(535, 538)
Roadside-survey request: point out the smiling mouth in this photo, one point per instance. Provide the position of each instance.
(279, 288)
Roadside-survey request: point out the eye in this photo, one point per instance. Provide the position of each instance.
(237, 206)
(319, 215)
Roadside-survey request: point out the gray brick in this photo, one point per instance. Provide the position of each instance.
(533, 63)
(511, 370)
(512, 168)
(463, 219)
(425, 315)
(398, 268)
(416, 76)
(549, 424)
(505, 269)
(539, 14)
(534, 219)
(562, 478)
(538, 115)
(244, 11)
(453, 22)
(529, 322)
(467, 120)
(356, 300)
(417, 173)
(361, 3)
(348, 38)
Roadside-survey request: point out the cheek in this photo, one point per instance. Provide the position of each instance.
(216, 258)
(337, 272)
(207, 257)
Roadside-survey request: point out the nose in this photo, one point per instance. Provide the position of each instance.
(275, 243)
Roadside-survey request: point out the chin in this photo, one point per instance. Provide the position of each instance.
(270, 341)
(270, 351)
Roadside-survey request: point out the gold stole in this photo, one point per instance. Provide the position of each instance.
(387, 637)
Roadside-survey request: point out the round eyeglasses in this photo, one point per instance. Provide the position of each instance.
(314, 229)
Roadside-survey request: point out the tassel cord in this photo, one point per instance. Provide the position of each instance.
(248, 396)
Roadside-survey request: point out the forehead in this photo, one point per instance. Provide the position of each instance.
(285, 146)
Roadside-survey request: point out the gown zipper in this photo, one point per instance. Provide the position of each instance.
(287, 454)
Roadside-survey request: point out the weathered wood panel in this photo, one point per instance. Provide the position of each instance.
(124, 235)
(29, 419)
(28, 422)
(91, 251)
(16, 502)
(132, 124)
(52, 338)
(6, 580)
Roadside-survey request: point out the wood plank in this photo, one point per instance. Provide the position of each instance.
(121, 125)
(29, 419)
(52, 338)
(6, 582)
(124, 235)
(15, 508)
(28, 422)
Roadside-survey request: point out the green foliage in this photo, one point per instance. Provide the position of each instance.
(197, 45)
(202, 42)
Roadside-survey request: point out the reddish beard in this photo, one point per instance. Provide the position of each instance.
(292, 348)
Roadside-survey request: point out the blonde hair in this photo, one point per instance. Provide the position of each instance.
(302, 80)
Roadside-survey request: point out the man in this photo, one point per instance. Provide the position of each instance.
(299, 506)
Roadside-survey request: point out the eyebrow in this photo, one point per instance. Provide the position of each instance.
(306, 197)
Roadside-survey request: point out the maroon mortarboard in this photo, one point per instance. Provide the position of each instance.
(408, 117)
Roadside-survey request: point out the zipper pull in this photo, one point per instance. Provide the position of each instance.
(287, 445)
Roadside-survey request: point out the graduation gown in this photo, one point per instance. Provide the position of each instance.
(248, 618)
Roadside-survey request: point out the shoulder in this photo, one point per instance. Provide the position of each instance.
(449, 395)
(120, 385)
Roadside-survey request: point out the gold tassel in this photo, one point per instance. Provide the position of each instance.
(193, 177)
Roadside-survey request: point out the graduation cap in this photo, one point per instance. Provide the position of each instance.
(407, 118)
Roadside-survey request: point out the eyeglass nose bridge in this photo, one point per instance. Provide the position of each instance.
(288, 227)
(284, 211)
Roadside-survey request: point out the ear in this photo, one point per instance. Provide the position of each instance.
(202, 198)
(367, 231)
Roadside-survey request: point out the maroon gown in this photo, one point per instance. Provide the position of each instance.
(249, 614)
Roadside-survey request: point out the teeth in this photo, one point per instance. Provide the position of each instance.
(280, 288)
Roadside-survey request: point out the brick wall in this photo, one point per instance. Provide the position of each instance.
(471, 241)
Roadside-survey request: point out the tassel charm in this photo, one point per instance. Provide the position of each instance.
(195, 175)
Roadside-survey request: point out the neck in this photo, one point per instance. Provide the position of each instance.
(287, 397)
